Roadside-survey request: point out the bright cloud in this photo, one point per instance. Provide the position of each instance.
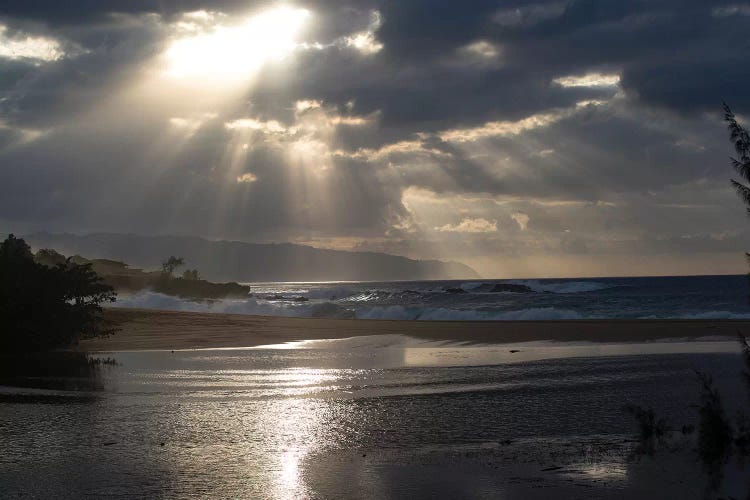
(513, 128)
(365, 41)
(246, 178)
(521, 219)
(306, 105)
(271, 126)
(482, 49)
(36, 48)
(469, 225)
(589, 80)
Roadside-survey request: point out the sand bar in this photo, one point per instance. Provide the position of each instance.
(143, 329)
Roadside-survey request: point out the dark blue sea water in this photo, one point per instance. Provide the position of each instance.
(698, 297)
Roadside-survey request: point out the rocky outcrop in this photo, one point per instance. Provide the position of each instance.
(510, 287)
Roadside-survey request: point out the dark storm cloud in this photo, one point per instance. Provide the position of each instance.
(671, 53)
(443, 66)
(57, 13)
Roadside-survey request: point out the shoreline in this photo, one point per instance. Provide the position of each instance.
(150, 329)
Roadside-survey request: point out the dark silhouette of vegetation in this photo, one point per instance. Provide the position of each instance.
(124, 278)
(740, 137)
(746, 359)
(652, 430)
(198, 289)
(49, 257)
(61, 370)
(168, 266)
(47, 306)
(191, 274)
(650, 426)
(715, 433)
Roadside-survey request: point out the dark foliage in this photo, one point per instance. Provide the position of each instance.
(714, 430)
(197, 288)
(168, 266)
(650, 427)
(746, 359)
(59, 370)
(46, 307)
(191, 274)
(49, 257)
(739, 136)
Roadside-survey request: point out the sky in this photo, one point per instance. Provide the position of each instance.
(525, 139)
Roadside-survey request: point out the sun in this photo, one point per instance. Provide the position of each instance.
(236, 52)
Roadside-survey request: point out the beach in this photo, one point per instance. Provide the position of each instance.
(236, 406)
(229, 405)
(142, 329)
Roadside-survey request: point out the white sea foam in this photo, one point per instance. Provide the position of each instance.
(251, 306)
(364, 310)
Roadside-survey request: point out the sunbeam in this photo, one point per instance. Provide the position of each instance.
(229, 53)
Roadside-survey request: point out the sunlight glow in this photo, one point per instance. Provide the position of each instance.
(236, 52)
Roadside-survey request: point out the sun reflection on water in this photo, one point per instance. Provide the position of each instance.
(299, 424)
(282, 424)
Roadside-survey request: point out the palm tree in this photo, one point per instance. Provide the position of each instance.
(741, 140)
(169, 265)
(741, 164)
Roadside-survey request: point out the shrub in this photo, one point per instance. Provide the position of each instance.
(714, 430)
(43, 308)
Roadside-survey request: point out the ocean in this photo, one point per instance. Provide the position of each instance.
(685, 297)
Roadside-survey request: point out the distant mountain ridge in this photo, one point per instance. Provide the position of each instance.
(239, 261)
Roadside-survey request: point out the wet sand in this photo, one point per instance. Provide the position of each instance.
(142, 329)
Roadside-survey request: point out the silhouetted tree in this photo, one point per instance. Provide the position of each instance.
(43, 307)
(741, 164)
(49, 257)
(191, 274)
(168, 266)
(714, 429)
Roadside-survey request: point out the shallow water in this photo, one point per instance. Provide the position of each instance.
(366, 417)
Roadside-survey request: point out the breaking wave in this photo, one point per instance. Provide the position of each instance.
(251, 306)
